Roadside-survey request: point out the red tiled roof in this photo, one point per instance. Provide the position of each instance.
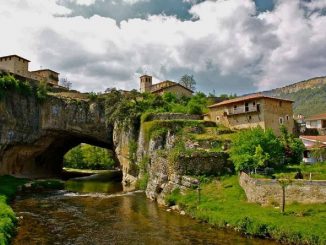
(317, 117)
(248, 97)
(318, 138)
(14, 55)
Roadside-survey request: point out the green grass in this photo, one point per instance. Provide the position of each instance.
(223, 203)
(317, 170)
(8, 189)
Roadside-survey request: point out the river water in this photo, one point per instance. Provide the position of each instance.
(98, 212)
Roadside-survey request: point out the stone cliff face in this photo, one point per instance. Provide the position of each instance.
(168, 170)
(34, 136)
(311, 83)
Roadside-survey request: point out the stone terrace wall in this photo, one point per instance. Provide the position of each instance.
(265, 191)
(173, 116)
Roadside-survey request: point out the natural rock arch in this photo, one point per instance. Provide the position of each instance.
(35, 136)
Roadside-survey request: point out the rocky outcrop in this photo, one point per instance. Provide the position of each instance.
(35, 136)
(168, 169)
(307, 84)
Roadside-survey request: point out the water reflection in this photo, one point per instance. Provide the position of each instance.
(63, 217)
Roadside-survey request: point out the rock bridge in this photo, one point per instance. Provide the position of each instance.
(35, 136)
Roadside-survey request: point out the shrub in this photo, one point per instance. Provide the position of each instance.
(255, 147)
(42, 91)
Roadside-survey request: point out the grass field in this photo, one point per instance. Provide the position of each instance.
(317, 171)
(8, 189)
(223, 203)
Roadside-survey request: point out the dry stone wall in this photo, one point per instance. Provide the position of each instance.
(265, 191)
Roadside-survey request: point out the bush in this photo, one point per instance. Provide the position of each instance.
(10, 83)
(255, 147)
(42, 91)
(86, 156)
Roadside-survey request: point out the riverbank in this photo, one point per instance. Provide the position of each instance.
(8, 188)
(223, 204)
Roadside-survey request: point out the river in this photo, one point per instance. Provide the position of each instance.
(96, 212)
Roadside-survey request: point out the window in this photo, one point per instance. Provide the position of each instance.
(254, 103)
(287, 117)
(249, 117)
(246, 107)
(217, 118)
(280, 103)
(281, 120)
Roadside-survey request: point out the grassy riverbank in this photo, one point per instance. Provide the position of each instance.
(223, 203)
(8, 189)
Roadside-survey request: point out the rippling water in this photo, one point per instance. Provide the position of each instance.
(109, 217)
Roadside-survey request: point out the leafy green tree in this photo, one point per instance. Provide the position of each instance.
(260, 158)
(74, 158)
(253, 146)
(86, 156)
(188, 81)
(293, 147)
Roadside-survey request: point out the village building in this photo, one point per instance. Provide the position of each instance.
(316, 121)
(47, 75)
(18, 66)
(253, 111)
(312, 142)
(146, 85)
(15, 64)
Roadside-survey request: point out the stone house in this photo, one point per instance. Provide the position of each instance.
(47, 75)
(17, 65)
(311, 142)
(146, 85)
(253, 111)
(316, 121)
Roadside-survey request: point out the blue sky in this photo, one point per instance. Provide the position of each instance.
(230, 46)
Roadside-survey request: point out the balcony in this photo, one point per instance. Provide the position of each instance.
(242, 110)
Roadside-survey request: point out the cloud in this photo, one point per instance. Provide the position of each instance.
(229, 46)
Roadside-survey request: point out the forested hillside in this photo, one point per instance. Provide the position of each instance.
(309, 95)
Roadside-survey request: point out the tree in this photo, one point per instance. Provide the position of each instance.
(188, 81)
(64, 82)
(253, 147)
(260, 157)
(284, 182)
(293, 147)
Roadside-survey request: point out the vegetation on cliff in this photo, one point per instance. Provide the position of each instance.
(223, 203)
(10, 83)
(8, 188)
(129, 107)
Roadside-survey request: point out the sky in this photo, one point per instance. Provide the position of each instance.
(230, 46)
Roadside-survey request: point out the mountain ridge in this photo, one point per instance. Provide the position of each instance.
(309, 96)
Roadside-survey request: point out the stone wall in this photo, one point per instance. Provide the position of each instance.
(214, 163)
(173, 116)
(266, 191)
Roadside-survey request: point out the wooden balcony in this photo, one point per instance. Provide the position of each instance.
(242, 110)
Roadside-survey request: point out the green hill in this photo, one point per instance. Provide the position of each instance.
(309, 95)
